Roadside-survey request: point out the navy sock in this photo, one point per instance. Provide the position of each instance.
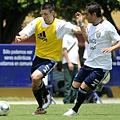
(44, 90)
(80, 99)
(38, 97)
(73, 88)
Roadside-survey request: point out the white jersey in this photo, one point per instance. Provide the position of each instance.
(100, 36)
(68, 42)
(85, 54)
(63, 27)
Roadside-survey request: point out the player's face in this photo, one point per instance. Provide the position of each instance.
(89, 17)
(47, 16)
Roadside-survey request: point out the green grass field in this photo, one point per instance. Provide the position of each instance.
(55, 112)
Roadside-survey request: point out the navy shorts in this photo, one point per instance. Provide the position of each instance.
(91, 76)
(43, 65)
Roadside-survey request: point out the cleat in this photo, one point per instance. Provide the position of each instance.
(43, 101)
(71, 112)
(39, 111)
(47, 101)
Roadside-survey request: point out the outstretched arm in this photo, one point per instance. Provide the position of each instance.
(21, 38)
(28, 31)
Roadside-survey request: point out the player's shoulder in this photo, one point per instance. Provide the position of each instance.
(38, 19)
(63, 22)
(60, 20)
(108, 25)
(105, 22)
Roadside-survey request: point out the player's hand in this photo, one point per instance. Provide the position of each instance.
(107, 50)
(18, 39)
(78, 17)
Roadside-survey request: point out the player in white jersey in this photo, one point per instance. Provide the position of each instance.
(100, 34)
(49, 32)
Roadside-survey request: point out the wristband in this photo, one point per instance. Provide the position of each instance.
(81, 24)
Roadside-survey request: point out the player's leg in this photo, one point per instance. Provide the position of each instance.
(94, 77)
(80, 99)
(81, 92)
(38, 87)
(74, 92)
(45, 92)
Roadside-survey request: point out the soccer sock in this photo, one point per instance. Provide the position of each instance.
(73, 94)
(73, 88)
(80, 99)
(38, 97)
(41, 92)
(44, 90)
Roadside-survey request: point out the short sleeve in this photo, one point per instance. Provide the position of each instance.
(112, 32)
(63, 28)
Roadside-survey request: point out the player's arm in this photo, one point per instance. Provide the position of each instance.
(112, 48)
(81, 26)
(114, 43)
(28, 31)
(21, 38)
(81, 30)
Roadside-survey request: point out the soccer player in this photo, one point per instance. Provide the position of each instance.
(49, 32)
(100, 34)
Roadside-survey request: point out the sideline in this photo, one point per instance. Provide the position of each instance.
(105, 101)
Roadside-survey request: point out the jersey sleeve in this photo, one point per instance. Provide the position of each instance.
(29, 29)
(63, 28)
(112, 32)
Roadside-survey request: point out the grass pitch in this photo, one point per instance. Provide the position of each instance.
(56, 111)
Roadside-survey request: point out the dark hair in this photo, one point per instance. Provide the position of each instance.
(49, 6)
(94, 7)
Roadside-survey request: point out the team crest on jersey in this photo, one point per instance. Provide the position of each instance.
(98, 34)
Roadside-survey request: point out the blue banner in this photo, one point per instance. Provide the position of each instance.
(115, 72)
(16, 61)
(15, 64)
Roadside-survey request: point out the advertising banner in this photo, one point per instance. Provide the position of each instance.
(16, 61)
(15, 64)
(115, 72)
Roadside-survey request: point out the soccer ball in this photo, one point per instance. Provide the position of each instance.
(4, 108)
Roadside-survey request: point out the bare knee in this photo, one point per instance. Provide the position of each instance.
(85, 86)
(76, 84)
(36, 80)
